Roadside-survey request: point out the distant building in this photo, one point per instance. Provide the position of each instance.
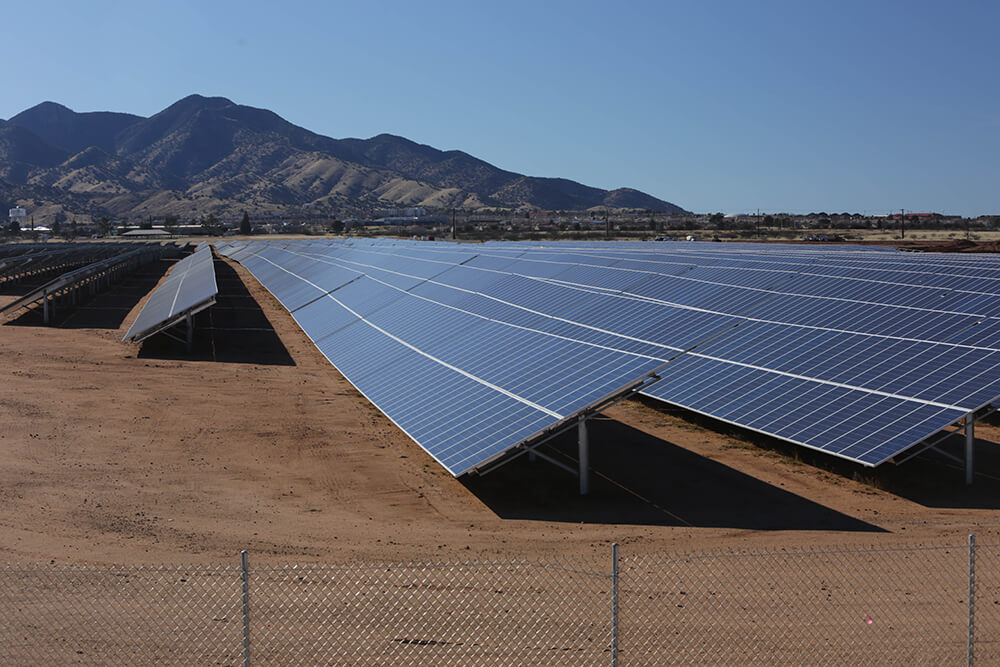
(147, 233)
(412, 220)
(401, 213)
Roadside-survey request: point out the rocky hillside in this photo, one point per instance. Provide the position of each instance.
(206, 155)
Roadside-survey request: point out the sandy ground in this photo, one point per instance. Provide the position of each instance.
(119, 453)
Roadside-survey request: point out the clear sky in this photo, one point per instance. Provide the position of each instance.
(794, 106)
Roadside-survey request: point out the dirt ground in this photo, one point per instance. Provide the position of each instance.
(120, 453)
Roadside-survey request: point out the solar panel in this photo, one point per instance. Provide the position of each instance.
(189, 289)
(30, 261)
(859, 353)
(467, 388)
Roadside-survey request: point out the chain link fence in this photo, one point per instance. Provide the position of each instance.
(914, 605)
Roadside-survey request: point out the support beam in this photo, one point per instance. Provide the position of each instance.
(970, 441)
(190, 333)
(584, 451)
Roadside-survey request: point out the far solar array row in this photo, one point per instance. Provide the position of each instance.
(190, 288)
(859, 353)
(20, 261)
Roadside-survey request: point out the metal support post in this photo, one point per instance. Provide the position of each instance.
(971, 652)
(245, 576)
(190, 332)
(970, 441)
(584, 451)
(614, 604)
(45, 307)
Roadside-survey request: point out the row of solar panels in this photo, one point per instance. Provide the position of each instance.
(474, 349)
(19, 261)
(91, 277)
(189, 288)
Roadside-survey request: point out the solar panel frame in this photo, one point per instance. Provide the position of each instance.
(751, 312)
(190, 288)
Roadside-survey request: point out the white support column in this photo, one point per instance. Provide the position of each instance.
(584, 451)
(970, 441)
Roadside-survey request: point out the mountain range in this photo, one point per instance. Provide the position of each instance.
(208, 155)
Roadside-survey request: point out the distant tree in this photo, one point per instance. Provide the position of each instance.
(147, 223)
(211, 226)
(14, 227)
(716, 219)
(245, 224)
(768, 220)
(170, 223)
(57, 223)
(337, 227)
(73, 229)
(104, 226)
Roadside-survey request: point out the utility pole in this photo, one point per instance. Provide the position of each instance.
(607, 225)
(902, 224)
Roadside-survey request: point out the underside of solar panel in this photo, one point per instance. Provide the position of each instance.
(477, 349)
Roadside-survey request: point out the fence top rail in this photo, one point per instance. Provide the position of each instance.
(597, 565)
(812, 550)
(594, 566)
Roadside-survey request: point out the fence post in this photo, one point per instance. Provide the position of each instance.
(614, 604)
(245, 576)
(972, 601)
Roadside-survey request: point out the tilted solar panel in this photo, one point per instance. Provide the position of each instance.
(190, 288)
(859, 353)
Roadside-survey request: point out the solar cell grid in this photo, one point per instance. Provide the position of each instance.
(189, 288)
(832, 345)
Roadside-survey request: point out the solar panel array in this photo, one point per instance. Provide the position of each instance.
(189, 288)
(472, 349)
(29, 261)
(106, 266)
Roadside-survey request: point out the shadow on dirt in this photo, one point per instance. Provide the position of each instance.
(234, 330)
(934, 481)
(640, 479)
(928, 479)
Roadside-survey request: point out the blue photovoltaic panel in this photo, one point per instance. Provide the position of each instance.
(861, 353)
(467, 388)
(190, 287)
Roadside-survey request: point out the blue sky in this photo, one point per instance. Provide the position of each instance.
(716, 106)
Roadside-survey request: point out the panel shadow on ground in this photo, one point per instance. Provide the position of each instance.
(642, 480)
(933, 481)
(234, 330)
(928, 479)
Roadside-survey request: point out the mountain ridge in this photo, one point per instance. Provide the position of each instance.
(209, 155)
